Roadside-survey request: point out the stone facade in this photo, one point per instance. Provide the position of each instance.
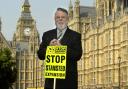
(105, 44)
(25, 43)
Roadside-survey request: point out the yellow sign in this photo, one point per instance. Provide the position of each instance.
(55, 62)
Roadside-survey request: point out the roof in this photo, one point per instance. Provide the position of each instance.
(86, 11)
(4, 40)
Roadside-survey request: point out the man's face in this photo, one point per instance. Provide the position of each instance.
(61, 20)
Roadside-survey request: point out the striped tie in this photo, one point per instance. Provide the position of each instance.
(59, 35)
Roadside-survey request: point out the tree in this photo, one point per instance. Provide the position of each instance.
(7, 69)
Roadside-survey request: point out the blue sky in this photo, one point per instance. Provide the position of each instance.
(41, 10)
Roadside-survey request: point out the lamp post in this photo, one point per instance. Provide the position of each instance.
(41, 75)
(119, 58)
(12, 84)
(36, 74)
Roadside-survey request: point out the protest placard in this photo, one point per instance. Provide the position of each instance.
(55, 62)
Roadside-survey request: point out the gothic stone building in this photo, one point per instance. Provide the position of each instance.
(26, 42)
(104, 63)
(104, 30)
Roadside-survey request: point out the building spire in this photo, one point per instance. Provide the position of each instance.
(70, 10)
(26, 13)
(70, 4)
(26, 6)
(26, 2)
(78, 1)
(77, 8)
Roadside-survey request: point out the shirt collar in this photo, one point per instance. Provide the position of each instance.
(63, 31)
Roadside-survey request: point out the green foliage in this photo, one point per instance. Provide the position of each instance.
(7, 69)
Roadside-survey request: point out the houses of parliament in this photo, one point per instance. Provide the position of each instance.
(104, 30)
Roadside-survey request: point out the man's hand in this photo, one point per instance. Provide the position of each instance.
(55, 42)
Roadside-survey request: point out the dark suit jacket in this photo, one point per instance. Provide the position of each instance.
(74, 51)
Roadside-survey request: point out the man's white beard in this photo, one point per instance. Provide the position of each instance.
(61, 26)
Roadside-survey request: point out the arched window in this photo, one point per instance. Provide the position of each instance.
(110, 7)
(125, 3)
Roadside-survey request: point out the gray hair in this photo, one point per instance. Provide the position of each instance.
(63, 10)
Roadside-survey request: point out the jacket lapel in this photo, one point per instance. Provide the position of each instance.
(66, 36)
(54, 34)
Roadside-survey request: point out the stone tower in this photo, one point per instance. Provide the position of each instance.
(106, 9)
(77, 15)
(74, 14)
(70, 11)
(26, 42)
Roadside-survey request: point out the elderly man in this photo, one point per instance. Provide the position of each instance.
(62, 35)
